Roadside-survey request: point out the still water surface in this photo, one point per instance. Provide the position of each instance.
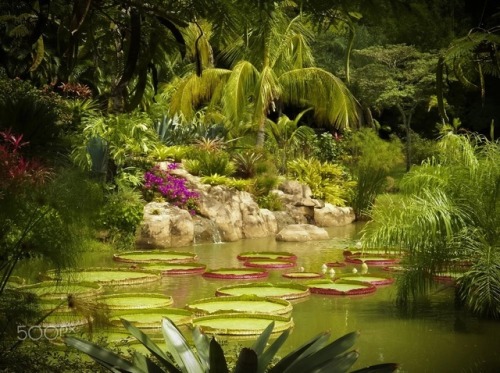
(435, 338)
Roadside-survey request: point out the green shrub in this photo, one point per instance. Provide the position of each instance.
(246, 163)
(271, 201)
(327, 181)
(372, 160)
(264, 183)
(121, 215)
(331, 148)
(231, 182)
(210, 163)
(422, 149)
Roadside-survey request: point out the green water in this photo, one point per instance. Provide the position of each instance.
(436, 338)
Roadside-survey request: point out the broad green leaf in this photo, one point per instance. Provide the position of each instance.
(179, 349)
(217, 359)
(261, 342)
(101, 354)
(202, 344)
(266, 357)
(150, 345)
(247, 361)
(146, 364)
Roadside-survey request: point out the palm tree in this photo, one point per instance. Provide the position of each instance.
(271, 65)
(447, 215)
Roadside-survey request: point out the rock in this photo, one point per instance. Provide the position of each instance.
(292, 187)
(333, 216)
(282, 219)
(302, 232)
(165, 226)
(205, 230)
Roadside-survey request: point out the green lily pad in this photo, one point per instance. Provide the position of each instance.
(374, 260)
(241, 324)
(151, 319)
(236, 273)
(136, 301)
(108, 276)
(250, 255)
(173, 269)
(242, 303)
(53, 290)
(341, 287)
(302, 275)
(374, 280)
(155, 256)
(283, 290)
(269, 263)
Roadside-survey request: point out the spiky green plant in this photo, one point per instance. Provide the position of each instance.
(316, 355)
(447, 212)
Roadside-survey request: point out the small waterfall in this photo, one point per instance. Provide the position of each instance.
(215, 232)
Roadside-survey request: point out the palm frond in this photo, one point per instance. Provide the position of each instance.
(239, 88)
(332, 101)
(195, 90)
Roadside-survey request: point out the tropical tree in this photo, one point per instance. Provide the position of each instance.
(446, 218)
(271, 66)
(396, 76)
(469, 59)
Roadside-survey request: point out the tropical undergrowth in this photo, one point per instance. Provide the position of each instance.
(446, 218)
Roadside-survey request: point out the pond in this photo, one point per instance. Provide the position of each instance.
(435, 338)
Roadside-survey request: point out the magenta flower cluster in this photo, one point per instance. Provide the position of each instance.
(173, 189)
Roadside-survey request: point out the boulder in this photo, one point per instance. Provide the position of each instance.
(333, 216)
(302, 232)
(165, 226)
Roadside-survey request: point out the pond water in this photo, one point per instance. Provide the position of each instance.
(435, 338)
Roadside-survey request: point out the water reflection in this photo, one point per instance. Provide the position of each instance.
(432, 337)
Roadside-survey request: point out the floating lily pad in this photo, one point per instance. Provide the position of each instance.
(282, 290)
(173, 269)
(151, 319)
(154, 256)
(394, 268)
(269, 263)
(250, 255)
(341, 287)
(302, 275)
(374, 280)
(242, 303)
(60, 322)
(448, 277)
(241, 324)
(52, 290)
(108, 276)
(135, 301)
(336, 264)
(236, 273)
(374, 260)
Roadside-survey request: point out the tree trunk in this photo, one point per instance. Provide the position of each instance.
(261, 133)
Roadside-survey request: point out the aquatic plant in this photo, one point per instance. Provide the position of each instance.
(316, 355)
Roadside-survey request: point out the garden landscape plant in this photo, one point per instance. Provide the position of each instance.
(170, 187)
(446, 219)
(316, 355)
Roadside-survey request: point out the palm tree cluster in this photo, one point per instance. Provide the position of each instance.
(446, 219)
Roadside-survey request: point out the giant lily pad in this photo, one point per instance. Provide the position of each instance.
(302, 275)
(341, 287)
(154, 256)
(136, 301)
(250, 255)
(269, 263)
(448, 277)
(281, 290)
(372, 279)
(373, 260)
(151, 319)
(236, 273)
(241, 324)
(241, 303)
(174, 269)
(53, 290)
(108, 276)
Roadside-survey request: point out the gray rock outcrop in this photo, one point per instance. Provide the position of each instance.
(302, 232)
